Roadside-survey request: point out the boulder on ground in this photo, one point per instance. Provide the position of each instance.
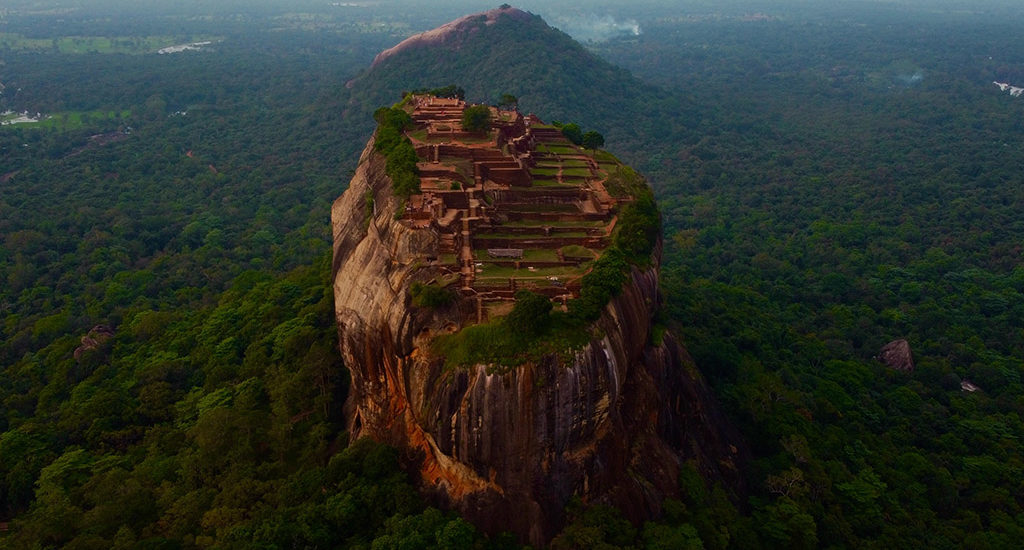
(94, 339)
(896, 355)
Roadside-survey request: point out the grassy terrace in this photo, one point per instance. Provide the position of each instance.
(549, 184)
(526, 191)
(541, 254)
(497, 231)
(517, 236)
(623, 181)
(577, 172)
(531, 255)
(577, 251)
(605, 157)
(558, 149)
(565, 208)
(541, 223)
(544, 171)
(421, 135)
(493, 271)
(567, 163)
(489, 138)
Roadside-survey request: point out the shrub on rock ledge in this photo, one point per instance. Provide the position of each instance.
(530, 315)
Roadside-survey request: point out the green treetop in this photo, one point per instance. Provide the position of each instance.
(476, 118)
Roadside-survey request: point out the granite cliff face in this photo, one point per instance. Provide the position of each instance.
(610, 424)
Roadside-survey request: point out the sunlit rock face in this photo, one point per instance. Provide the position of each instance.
(452, 34)
(610, 422)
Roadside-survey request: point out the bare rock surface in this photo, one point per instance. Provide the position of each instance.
(96, 337)
(896, 355)
(451, 34)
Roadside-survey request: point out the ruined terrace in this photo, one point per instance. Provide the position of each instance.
(517, 207)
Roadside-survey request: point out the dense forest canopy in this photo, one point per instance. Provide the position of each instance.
(831, 178)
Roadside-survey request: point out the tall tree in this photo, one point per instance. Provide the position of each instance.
(593, 140)
(573, 133)
(476, 118)
(508, 101)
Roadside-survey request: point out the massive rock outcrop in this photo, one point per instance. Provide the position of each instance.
(611, 423)
(897, 355)
(452, 34)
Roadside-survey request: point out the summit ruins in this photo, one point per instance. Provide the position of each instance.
(518, 207)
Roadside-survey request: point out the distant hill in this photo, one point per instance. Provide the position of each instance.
(509, 51)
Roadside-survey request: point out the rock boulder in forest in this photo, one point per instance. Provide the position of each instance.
(896, 355)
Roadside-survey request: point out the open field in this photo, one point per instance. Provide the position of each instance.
(93, 44)
(67, 120)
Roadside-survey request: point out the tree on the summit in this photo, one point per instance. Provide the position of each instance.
(449, 91)
(508, 101)
(593, 140)
(573, 133)
(476, 118)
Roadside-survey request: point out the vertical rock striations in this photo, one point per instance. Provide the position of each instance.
(611, 423)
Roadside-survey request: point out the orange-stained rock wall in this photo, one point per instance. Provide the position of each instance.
(610, 423)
